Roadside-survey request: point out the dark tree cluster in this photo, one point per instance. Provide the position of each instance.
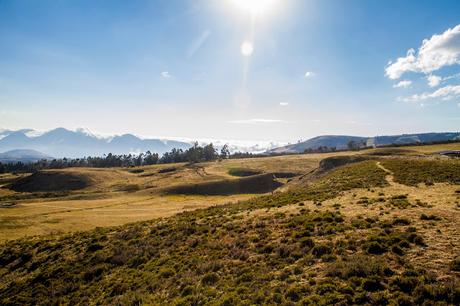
(192, 155)
(321, 149)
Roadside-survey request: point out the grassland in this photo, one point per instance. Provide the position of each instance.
(382, 230)
(119, 196)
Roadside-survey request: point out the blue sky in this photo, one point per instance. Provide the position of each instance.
(175, 68)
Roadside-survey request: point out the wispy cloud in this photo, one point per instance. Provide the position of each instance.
(450, 77)
(445, 93)
(435, 53)
(257, 121)
(284, 103)
(165, 75)
(198, 43)
(309, 74)
(403, 84)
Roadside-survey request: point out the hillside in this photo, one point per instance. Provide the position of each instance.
(61, 142)
(62, 200)
(24, 156)
(341, 142)
(378, 230)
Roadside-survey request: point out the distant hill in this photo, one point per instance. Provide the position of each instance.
(24, 156)
(61, 142)
(340, 141)
(415, 138)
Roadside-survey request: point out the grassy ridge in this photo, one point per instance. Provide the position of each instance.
(223, 260)
(261, 183)
(415, 171)
(227, 255)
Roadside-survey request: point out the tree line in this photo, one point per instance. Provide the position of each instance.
(194, 154)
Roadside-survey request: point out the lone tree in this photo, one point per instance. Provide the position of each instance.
(209, 152)
(224, 152)
(352, 145)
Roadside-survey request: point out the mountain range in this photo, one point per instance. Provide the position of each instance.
(61, 142)
(340, 142)
(30, 145)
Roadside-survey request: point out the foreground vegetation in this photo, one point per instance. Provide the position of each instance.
(336, 238)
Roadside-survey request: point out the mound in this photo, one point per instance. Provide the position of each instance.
(254, 184)
(50, 181)
(167, 170)
(243, 172)
(337, 161)
(285, 174)
(391, 151)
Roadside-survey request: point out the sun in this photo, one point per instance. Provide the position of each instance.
(255, 7)
(247, 48)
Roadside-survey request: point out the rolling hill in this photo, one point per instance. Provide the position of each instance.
(374, 231)
(24, 156)
(340, 141)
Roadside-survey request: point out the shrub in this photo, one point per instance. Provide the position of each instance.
(357, 266)
(210, 279)
(321, 249)
(419, 241)
(306, 242)
(296, 292)
(187, 290)
(405, 284)
(455, 265)
(401, 221)
(429, 217)
(166, 272)
(372, 284)
(375, 247)
(397, 250)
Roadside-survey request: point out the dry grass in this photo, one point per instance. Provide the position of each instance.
(118, 196)
(352, 236)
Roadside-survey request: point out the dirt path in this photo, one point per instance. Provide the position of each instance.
(389, 177)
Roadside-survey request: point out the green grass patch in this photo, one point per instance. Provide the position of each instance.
(415, 171)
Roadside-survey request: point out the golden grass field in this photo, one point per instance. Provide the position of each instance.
(118, 196)
(373, 227)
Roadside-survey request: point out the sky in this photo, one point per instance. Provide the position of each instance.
(270, 70)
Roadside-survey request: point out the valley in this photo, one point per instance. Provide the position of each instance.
(364, 227)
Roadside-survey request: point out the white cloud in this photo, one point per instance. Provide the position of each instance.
(445, 93)
(395, 70)
(165, 75)
(434, 80)
(284, 103)
(403, 84)
(439, 51)
(257, 121)
(309, 74)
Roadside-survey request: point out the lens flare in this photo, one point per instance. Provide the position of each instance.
(255, 7)
(247, 48)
